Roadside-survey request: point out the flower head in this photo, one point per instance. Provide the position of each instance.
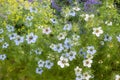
(48, 64)
(117, 77)
(46, 31)
(31, 38)
(87, 62)
(2, 56)
(97, 31)
(91, 50)
(63, 62)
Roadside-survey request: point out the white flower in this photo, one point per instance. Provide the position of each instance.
(53, 20)
(97, 31)
(89, 56)
(19, 40)
(1, 31)
(87, 62)
(86, 17)
(108, 23)
(78, 71)
(52, 46)
(41, 63)
(2, 56)
(71, 55)
(63, 62)
(46, 31)
(31, 38)
(62, 36)
(12, 36)
(72, 13)
(10, 28)
(5, 45)
(29, 18)
(117, 77)
(39, 70)
(91, 50)
(118, 38)
(86, 76)
(68, 27)
(76, 8)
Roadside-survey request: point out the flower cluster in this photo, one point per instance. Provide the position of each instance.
(49, 38)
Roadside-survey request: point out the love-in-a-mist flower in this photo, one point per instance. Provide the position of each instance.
(117, 77)
(63, 62)
(59, 48)
(12, 36)
(75, 37)
(19, 40)
(67, 43)
(107, 38)
(71, 55)
(10, 28)
(53, 20)
(29, 18)
(46, 30)
(41, 63)
(86, 76)
(32, 9)
(97, 31)
(67, 27)
(108, 23)
(48, 64)
(2, 56)
(87, 62)
(5, 45)
(39, 70)
(62, 35)
(118, 38)
(76, 9)
(78, 71)
(91, 50)
(72, 13)
(38, 51)
(79, 77)
(31, 38)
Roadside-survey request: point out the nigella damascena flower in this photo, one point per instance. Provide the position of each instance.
(89, 5)
(55, 6)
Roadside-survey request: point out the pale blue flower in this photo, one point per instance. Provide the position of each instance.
(19, 40)
(48, 64)
(31, 38)
(107, 38)
(39, 70)
(2, 56)
(12, 36)
(118, 38)
(41, 63)
(91, 50)
(10, 28)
